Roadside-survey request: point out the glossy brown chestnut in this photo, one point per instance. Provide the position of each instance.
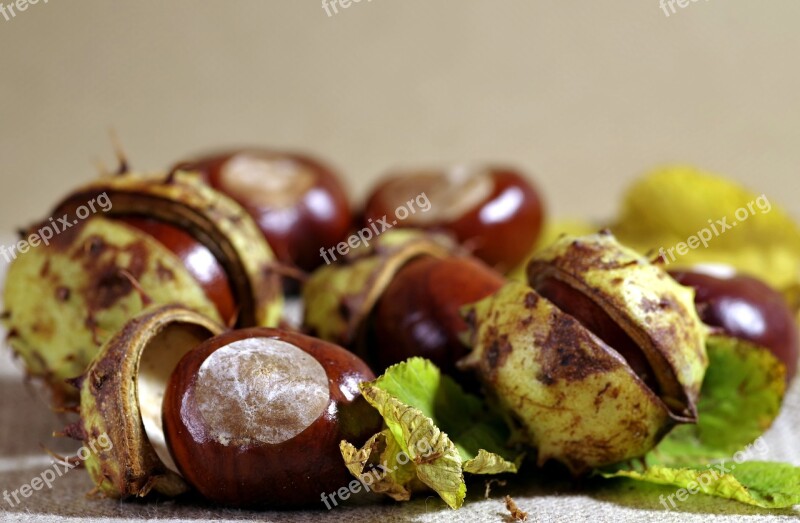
(746, 308)
(494, 211)
(197, 258)
(419, 313)
(254, 417)
(298, 202)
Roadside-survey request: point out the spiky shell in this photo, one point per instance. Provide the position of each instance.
(63, 300)
(575, 398)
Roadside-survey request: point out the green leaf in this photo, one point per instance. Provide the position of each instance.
(436, 460)
(759, 483)
(489, 463)
(419, 383)
(741, 396)
(376, 465)
(671, 205)
(435, 432)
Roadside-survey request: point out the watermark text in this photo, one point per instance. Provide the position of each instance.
(60, 467)
(713, 473)
(715, 229)
(11, 10)
(378, 227)
(48, 231)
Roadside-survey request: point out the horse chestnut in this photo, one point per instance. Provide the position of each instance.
(495, 211)
(746, 308)
(196, 257)
(597, 359)
(418, 313)
(66, 298)
(254, 417)
(298, 202)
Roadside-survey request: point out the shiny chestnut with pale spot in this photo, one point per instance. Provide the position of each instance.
(196, 257)
(495, 212)
(746, 308)
(298, 202)
(254, 417)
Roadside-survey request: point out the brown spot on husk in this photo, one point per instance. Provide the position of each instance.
(110, 283)
(531, 299)
(164, 273)
(651, 306)
(469, 318)
(561, 356)
(497, 352)
(45, 270)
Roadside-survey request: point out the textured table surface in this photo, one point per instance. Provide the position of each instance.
(25, 424)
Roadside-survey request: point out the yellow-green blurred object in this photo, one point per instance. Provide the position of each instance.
(670, 206)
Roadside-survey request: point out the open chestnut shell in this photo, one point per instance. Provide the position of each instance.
(339, 298)
(198, 260)
(493, 211)
(399, 297)
(121, 395)
(254, 417)
(597, 359)
(63, 300)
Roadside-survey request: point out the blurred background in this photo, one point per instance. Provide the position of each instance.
(584, 96)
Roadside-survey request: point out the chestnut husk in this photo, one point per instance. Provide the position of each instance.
(340, 297)
(121, 394)
(65, 299)
(571, 395)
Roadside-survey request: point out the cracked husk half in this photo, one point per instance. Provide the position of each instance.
(340, 297)
(63, 300)
(121, 395)
(575, 397)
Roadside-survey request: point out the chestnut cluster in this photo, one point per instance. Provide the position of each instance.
(301, 206)
(170, 309)
(138, 303)
(225, 233)
(248, 417)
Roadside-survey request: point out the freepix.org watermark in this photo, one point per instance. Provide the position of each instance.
(715, 229)
(331, 7)
(668, 6)
(60, 467)
(47, 232)
(10, 11)
(713, 473)
(379, 226)
(367, 479)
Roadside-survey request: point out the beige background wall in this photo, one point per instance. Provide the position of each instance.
(585, 95)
